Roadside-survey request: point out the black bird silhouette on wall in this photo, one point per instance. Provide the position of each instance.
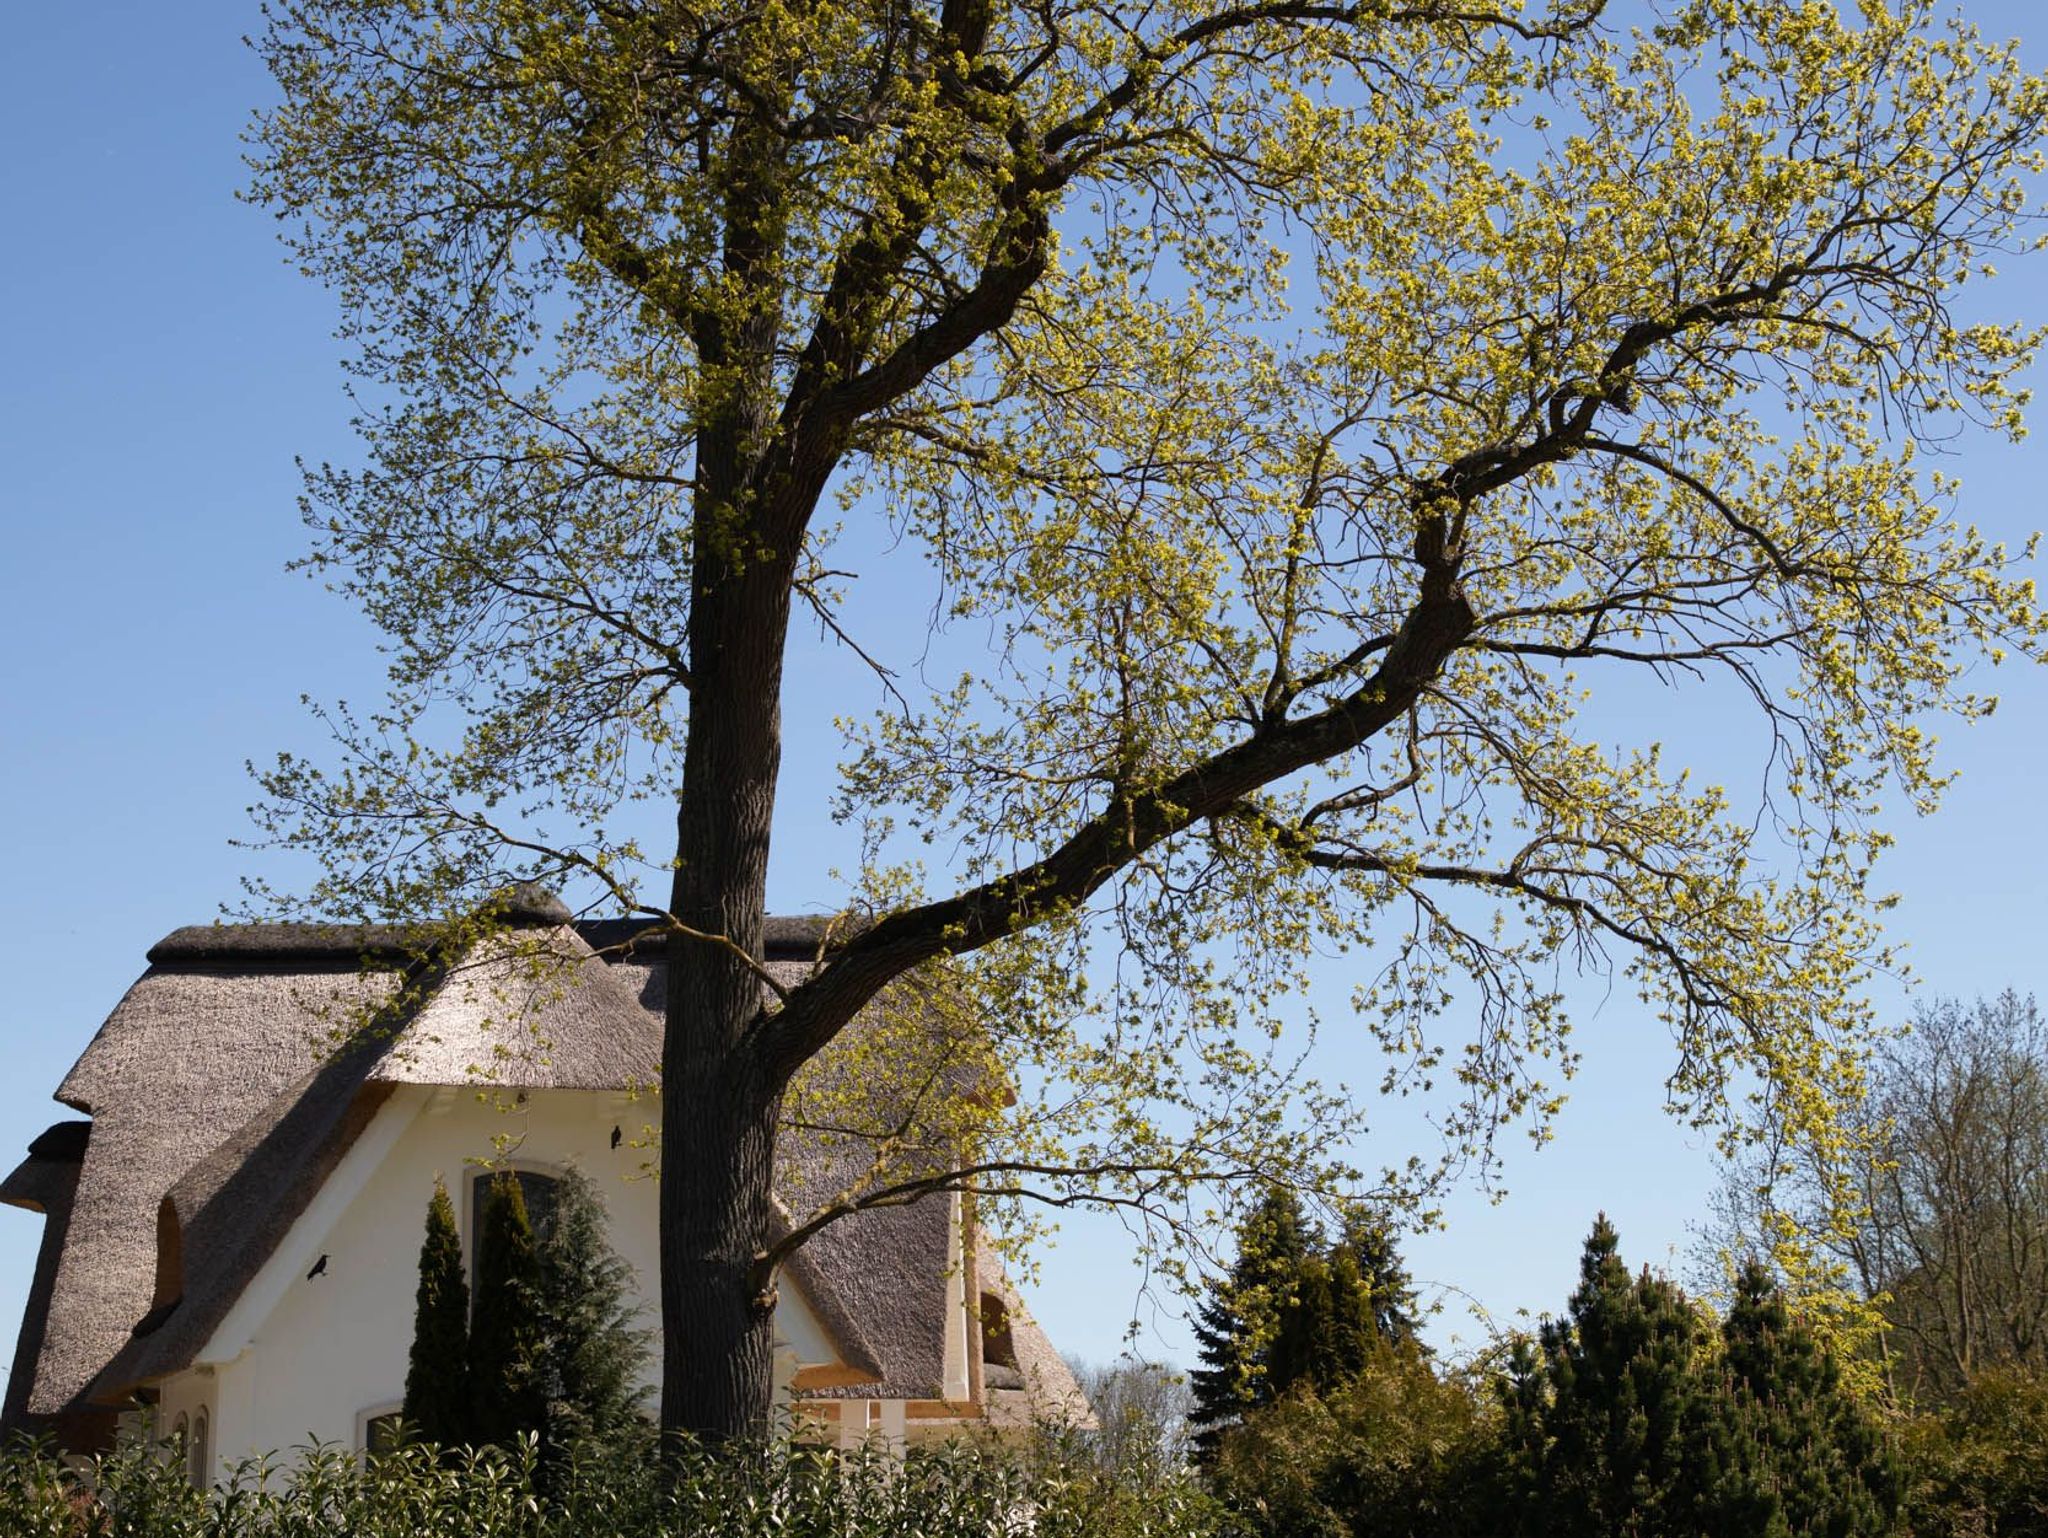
(319, 1268)
(617, 1137)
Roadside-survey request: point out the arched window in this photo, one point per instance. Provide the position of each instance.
(998, 1349)
(199, 1451)
(377, 1431)
(537, 1186)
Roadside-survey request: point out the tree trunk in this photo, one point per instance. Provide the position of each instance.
(719, 1101)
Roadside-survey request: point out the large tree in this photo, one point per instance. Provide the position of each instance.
(1612, 341)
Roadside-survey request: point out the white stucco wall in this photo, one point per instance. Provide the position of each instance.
(304, 1359)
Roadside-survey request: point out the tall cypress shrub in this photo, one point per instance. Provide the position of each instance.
(437, 1374)
(505, 1389)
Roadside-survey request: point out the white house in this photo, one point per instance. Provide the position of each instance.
(231, 1237)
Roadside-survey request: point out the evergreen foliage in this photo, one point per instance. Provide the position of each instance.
(437, 1376)
(1797, 1455)
(1368, 1245)
(1239, 1321)
(1630, 1417)
(1295, 1312)
(507, 1397)
(1606, 1418)
(553, 1349)
(590, 1349)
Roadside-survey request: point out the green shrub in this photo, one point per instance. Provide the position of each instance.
(507, 1397)
(1978, 1468)
(1400, 1451)
(778, 1491)
(437, 1372)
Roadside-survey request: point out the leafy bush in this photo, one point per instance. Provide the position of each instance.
(1399, 1450)
(778, 1491)
(1978, 1468)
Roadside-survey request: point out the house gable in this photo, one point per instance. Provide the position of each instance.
(243, 1123)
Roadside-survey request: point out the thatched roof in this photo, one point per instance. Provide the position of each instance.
(187, 1057)
(1043, 1390)
(46, 1182)
(226, 1085)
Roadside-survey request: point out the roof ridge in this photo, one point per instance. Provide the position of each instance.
(785, 937)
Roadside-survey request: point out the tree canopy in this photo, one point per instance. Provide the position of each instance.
(1295, 413)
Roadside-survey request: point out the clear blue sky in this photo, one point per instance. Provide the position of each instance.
(160, 367)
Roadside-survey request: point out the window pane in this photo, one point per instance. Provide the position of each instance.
(380, 1434)
(198, 1453)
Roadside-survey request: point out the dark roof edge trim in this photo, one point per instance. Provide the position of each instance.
(794, 938)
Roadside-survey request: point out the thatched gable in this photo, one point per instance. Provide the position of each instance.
(223, 1093)
(186, 1058)
(46, 1182)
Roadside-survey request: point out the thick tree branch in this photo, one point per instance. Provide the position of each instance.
(1134, 822)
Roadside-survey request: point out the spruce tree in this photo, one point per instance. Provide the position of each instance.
(1350, 1331)
(1236, 1325)
(590, 1351)
(1304, 1320)
(437, 1376)
(506, 1397)
(1389, 1294)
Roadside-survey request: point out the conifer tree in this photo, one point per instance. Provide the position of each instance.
(1350, 1329)
(506, 1399)
(590, 1350)
(1390, 1295)
(1607, 1419)
(437, 1375)
(1304, 1325)
(1798, 1457)
(1236, 1325)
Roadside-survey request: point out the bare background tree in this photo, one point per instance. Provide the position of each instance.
(1951, 1242)
(1141, 1412)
